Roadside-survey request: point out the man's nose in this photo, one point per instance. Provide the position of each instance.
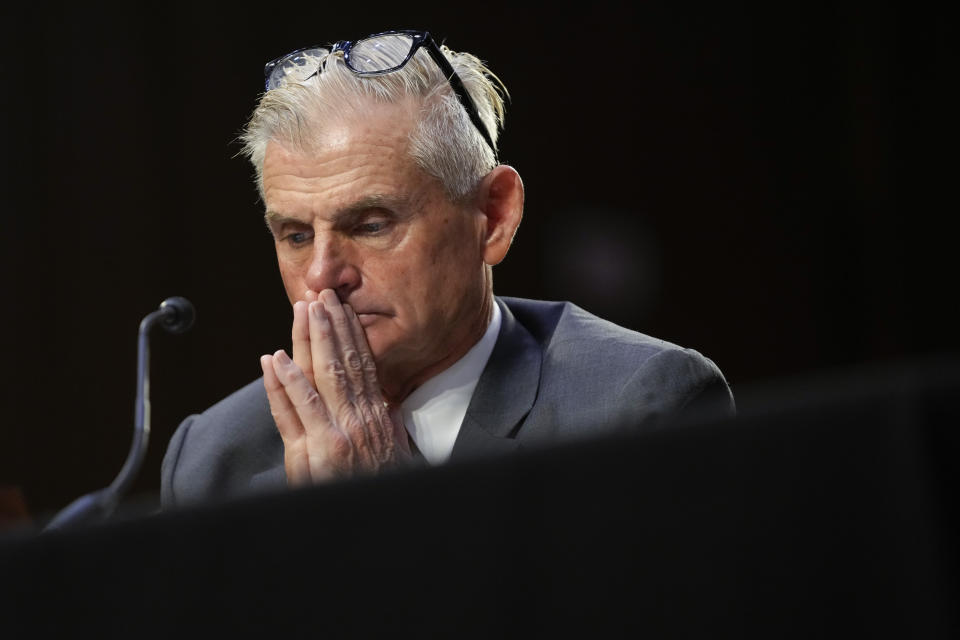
(332, 267)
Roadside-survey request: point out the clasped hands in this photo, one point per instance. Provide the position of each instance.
(327, 401)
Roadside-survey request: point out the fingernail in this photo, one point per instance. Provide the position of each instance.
(318, 312)
(282, 357)
(329, 295)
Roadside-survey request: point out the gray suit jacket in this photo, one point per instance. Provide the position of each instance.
(556, 373)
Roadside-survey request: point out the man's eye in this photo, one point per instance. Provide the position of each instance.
(298, 238)
(371, 228)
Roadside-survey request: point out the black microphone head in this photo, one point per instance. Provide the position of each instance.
(178, 314)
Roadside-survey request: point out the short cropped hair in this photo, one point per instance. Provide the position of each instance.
(444, 143)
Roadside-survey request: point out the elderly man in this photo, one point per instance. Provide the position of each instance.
(376, 161)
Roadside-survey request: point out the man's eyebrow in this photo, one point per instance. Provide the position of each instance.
(349, 213)
(346, 214)
(273, 218)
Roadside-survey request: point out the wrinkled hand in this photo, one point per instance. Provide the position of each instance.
(327, 401)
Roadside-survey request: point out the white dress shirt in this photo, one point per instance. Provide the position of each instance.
(434, 412)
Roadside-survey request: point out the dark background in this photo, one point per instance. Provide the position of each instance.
(766, 186)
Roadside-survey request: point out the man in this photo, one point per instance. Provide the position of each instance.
(376, 161)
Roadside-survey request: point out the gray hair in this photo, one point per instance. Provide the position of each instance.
(444, 143)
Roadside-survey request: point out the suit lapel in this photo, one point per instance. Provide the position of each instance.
(505, 392)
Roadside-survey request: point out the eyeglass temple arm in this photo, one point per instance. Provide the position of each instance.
(461, 92)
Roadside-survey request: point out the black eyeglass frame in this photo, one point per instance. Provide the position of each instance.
(420, 39)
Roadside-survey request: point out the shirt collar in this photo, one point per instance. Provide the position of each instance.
(434, 412)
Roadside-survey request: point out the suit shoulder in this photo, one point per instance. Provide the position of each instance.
(213, 451)
(239, 420)
(564, 325)
(617, 366)
(250, 401)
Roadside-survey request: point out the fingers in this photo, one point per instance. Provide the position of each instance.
(300, 335)
(336, 364)
(283, 410)
(366, 387)
(300, 339)
(347, 340)
(327, 401)
(371, 383)
(325, 350)
(288, 423)
(327, 450)
(356, 410)
(300, 393)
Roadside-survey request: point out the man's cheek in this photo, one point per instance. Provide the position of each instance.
(381, 337)
(293, 293)
(293, 285)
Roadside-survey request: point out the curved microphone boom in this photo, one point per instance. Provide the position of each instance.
(175, 315)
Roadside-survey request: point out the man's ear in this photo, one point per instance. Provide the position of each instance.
(501, 201)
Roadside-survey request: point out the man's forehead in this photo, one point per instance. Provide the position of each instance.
(363, 204)
(371, 172)
(383, 130)
(389, 122)
(337, 142)
(358, 161)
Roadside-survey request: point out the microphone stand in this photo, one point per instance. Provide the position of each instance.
(176, 315)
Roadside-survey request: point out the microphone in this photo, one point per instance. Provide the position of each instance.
(175, 315)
